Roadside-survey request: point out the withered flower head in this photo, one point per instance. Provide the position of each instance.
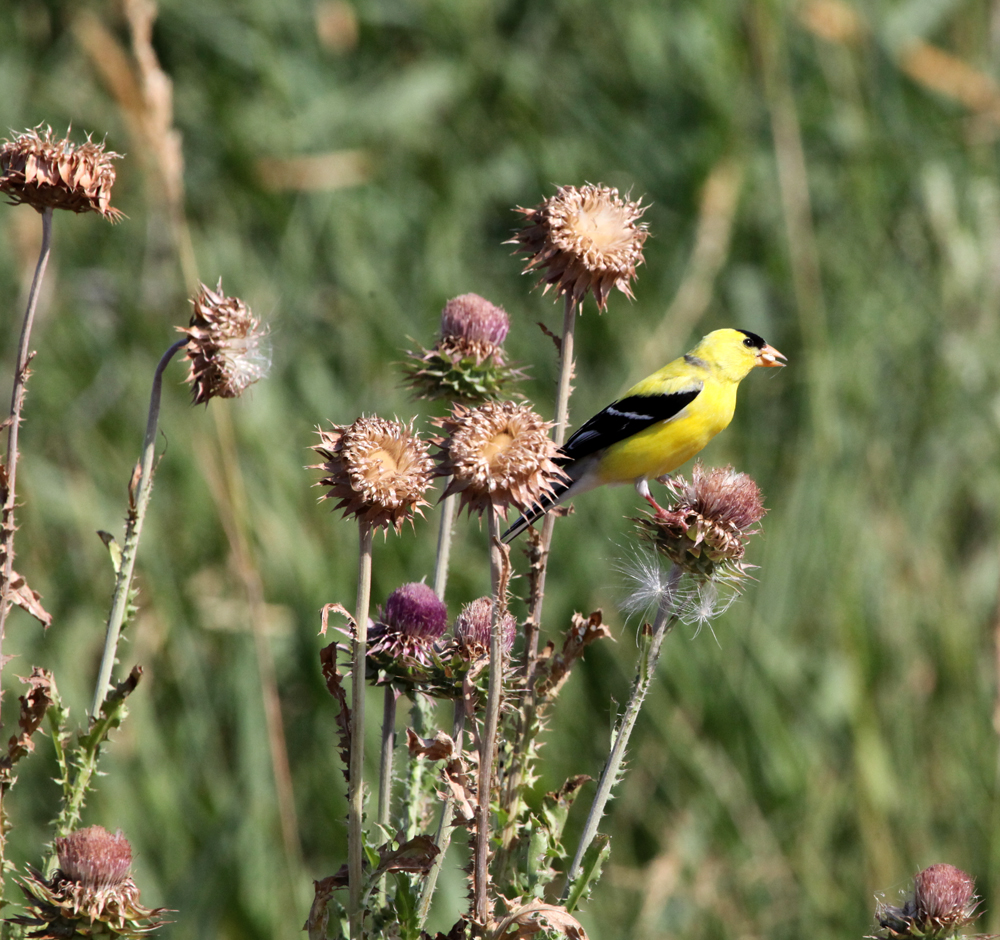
(378, 469)
(943, 902)
(585, 238)
(705, 530)
(227, 348)
(46, 173)
(497, 455)
(91, 893)
(474, 626)
(467, 363)
(412, 619)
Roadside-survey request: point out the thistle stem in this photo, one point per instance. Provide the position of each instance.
(138, 502)
(488, 743)
(16, 403)
(444, 543)
(385, 769)
(442, 839)
(14, 424)
(534, 621)
(355, 785)
(645, 671)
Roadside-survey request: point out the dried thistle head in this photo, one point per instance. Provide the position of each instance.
(585, 238)
(407, 626)
(43, 172)
(474, 627)
(942, 903)
(705, 530)
(91, 894)
(227, 349)
(497, 455)
(467, 363)
(378, 469)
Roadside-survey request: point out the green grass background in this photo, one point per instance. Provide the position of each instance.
(839, 735)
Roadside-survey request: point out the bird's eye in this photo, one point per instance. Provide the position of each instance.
(748, 342)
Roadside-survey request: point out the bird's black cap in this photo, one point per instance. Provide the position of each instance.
(757, 341)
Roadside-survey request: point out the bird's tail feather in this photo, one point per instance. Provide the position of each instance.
(561, 492)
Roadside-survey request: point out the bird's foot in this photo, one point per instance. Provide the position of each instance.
(657, 508)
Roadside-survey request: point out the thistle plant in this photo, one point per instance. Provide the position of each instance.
(942, 903)
(46, 173)
(91, 894)
(379, 471)
(703, 536)
(582, 240)
(494, 455)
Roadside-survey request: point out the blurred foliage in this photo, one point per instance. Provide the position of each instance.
(837, 736)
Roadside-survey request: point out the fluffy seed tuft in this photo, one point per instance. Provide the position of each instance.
(227, 348)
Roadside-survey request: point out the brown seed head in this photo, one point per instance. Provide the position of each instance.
(474, 626)
(227, 348)
(584, 239)
(47, 173)
(94, 857)
(378, 469)
(498, 454)
(707, 526)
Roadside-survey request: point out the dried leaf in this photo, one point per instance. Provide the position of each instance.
(440, 747)
(335, 685)
(460, 783)
(319, 914)
(33, 707)
(335, 609)
(534, 918)
(415, 856)
(557, 340)
(28, 600)
(554, 668)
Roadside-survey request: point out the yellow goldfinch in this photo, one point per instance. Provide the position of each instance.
(659, 423)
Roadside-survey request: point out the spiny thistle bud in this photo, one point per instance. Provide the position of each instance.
(227, 346)
(467, 364)
(943, 902)
(378, 469)
(583, 239)
(474, 626)
(705, 530)
(46, 173)
(498, 454)
(412, 619)
(94, 857)
(91, 894)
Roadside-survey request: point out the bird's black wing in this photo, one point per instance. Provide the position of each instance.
(622, 419)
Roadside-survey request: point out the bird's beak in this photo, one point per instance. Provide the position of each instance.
(768, 357)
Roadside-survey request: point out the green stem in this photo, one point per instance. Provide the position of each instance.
(444, 543)
(138, 501)
(488, 743)
(645, 671)
(355, 785)
(442, 839)
(385, 771)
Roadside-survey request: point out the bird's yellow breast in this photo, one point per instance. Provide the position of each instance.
(663, 447)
